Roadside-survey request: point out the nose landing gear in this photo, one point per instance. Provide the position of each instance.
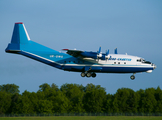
(132, 76)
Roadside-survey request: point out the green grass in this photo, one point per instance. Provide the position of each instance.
(85, 118)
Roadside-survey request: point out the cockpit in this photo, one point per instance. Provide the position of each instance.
(143, 61)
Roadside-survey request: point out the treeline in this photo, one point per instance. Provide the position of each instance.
(74, 98)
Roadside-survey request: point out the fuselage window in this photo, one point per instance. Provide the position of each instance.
(69, 61)
(114, 62)
(118, 62)
(73, 61)
(78, 61)
(124, 62)
(139, 60)
(64, 61)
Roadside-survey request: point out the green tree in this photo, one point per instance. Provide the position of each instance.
(94, 98)
(127, 100)
(158, 97)
(15, 104)
(26, 103)
(5, 102)
(108, 104)
(147, 102)
(150, 102)
(34, 98)
(44, 106)
(10, 88)
(141, 106)
(59, 101)
(44, 87)
(75, 94)
(115, 105)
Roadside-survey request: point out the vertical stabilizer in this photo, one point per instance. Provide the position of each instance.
(20, 34)
(20, 41)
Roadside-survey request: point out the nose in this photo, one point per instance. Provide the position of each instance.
(154, 66)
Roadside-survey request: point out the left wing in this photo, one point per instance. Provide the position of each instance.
(86, 54)
(74, 53)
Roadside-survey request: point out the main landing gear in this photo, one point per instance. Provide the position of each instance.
(88, 74)
(132, 76)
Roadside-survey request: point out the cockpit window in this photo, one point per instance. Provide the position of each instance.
(143, 61)
(147, 62)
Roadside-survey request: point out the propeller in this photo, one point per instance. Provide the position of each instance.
(107, 56)
(99, 54)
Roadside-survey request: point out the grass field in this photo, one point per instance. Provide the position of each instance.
(85, 118)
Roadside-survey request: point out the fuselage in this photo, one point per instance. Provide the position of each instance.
(117, 63)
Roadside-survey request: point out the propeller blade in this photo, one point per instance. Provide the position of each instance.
(99, 54)
(107, 52)
(115, 51)
(99, 51)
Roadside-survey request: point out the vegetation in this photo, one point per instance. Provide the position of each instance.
(85, 118)
(74, 98)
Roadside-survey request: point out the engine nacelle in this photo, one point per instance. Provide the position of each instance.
(107, 57)
(90, 54)
(99, 55)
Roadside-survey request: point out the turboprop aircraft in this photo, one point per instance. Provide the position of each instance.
(87, 62)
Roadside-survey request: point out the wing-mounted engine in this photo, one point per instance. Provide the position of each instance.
(107, 56)
(85, 54)
(97, 55)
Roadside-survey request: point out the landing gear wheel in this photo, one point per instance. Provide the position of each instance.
(83, 74)
(132, 77)
(88, 74)
(93, 75)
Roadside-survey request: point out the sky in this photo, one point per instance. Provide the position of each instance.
(133, 26)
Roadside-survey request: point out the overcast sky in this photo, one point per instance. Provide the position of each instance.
(133, 26)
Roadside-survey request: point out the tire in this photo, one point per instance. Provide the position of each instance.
(83, 74)
(93, 75)
(132, 77)
(88, 74)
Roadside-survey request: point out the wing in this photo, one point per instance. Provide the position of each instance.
(86, 54)
(74, 53)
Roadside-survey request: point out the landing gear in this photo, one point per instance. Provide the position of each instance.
(93, 75)
(88, 74)
(132, 77)
(83, 74)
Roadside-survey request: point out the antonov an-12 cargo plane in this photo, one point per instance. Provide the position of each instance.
(88, 63)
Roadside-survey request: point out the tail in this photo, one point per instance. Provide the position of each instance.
(21, 44)
(21, 41)
(19, 36)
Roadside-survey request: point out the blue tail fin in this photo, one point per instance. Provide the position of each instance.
(21, 41)
(20, 35)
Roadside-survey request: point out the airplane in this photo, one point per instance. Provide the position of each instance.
(87, 62)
